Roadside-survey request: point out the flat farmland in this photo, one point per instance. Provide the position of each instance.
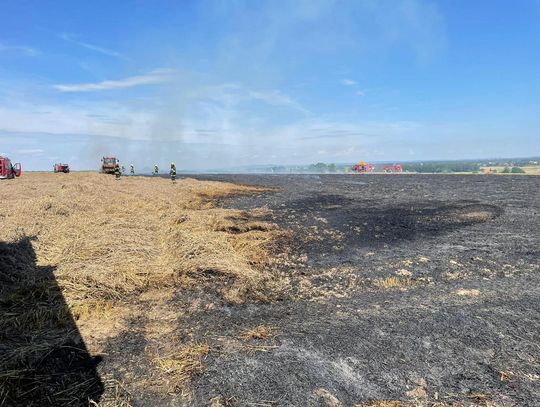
(420, 288)
(262, 290)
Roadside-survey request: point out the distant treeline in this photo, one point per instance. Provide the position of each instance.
(438, 167)
(420, 167)
(312, 168)
(519, 162)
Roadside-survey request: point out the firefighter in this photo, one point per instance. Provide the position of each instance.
(172, 172)
(132, 169)
(156, 169)
(123, 170)
(117, 171)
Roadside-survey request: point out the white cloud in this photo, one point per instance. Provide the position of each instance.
(152, 78)
(28, 51)
(348, 82)
(277, 98)
(107, 119)
(31, 151)
(231, 94)
(342, 28)
(216, 128)
(101, 50)
(225, 114)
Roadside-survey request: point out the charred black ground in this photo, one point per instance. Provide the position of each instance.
(402, 287)
(419, 288)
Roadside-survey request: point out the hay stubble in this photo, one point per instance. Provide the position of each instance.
(109, 242)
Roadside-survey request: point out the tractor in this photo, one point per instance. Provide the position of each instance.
(61, 168)
(108, 164)
(9, 170)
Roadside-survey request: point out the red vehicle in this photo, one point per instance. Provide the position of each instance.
(108, 164)
(362, 167)
(9, 170)
(61, 168)
(395, 168)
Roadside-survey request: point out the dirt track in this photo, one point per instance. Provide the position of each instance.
(420, 288)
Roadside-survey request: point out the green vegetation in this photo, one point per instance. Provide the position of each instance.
(529, 165)
(320, 168)
(442, 167)
(513, 170)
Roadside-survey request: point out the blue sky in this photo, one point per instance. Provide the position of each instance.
(224, 83)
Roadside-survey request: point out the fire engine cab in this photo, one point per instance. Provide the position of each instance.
(8, 170)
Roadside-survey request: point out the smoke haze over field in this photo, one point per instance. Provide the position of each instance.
(216, 84)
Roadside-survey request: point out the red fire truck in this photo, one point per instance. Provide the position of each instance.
(9, 170)
(108, 164)
(61, 168)
(395, 168)
(362, 167)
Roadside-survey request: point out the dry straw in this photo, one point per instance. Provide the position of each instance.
(97, 243)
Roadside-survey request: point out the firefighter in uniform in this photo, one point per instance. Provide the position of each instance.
(156, 169)
(172, 172)
(132, 169)
(117, 171)
(123, 170)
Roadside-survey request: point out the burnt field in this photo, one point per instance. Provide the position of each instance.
(338, 290)
(422, 289)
